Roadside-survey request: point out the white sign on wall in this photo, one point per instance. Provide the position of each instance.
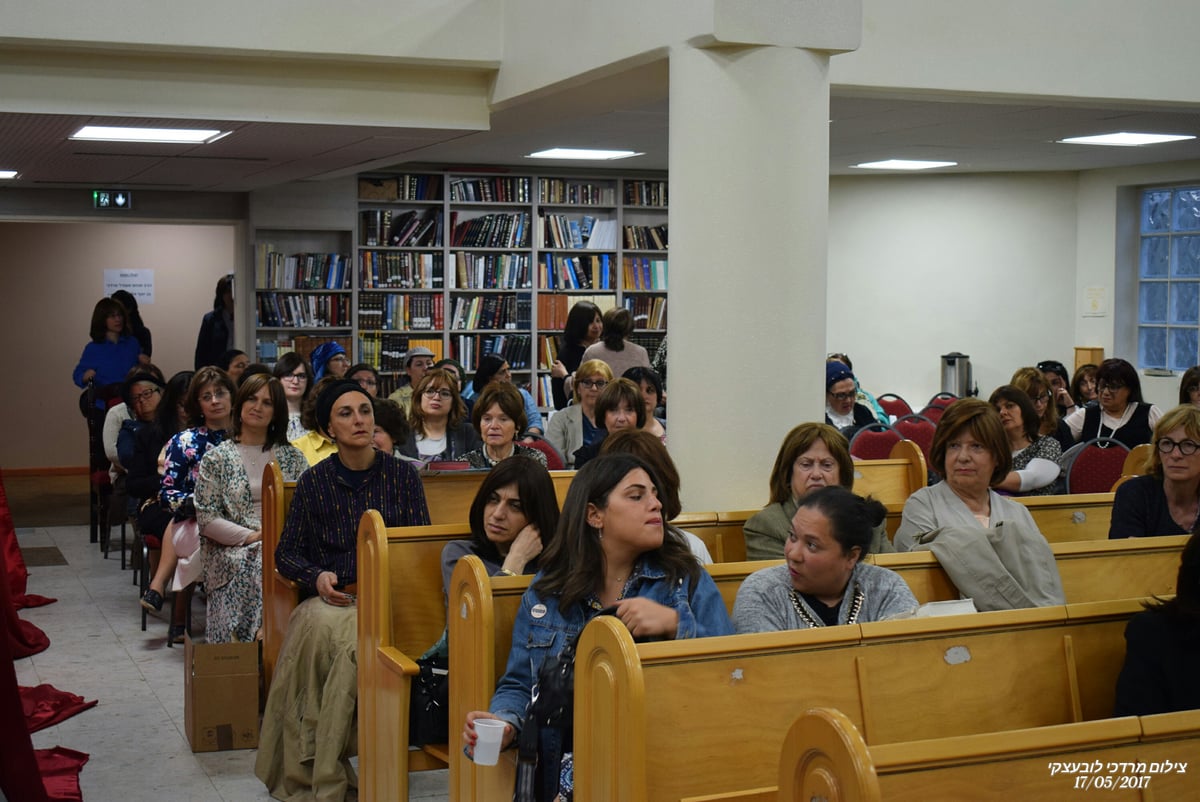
(1095, 302)
(138, 283)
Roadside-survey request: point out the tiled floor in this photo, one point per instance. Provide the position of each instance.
(135, 734)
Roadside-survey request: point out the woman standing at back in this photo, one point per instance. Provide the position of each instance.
(584, 326)
(614, 346)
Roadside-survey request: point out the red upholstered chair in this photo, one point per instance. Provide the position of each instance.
(1097, 466)
(920, 430)
(933, 413)
(554, 460)
(942, 400)
(874, 441)
(894, 405)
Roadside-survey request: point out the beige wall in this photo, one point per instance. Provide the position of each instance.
(52, 276)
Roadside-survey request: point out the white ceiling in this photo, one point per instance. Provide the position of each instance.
(616, 112)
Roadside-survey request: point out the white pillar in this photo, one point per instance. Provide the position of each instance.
(749, 166)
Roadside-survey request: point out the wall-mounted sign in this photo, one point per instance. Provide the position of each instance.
(138, 283)
(112, 199)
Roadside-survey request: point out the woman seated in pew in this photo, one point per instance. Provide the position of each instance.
(1162, 648)
(500, 418)
(619, 408)
(654, 397)
(1189, 386)
(439, 429)
(610, 551)
(1167, 500)
(1033, 383)
(1034, 457)
(577, 425)
(314, 444)
(229, 507)
(391, 429)
(824, 582)
(1121, 412)
(296, 374)
(316, 672)
(812, 456)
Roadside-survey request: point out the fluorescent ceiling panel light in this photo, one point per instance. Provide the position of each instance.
(583, 153)
(904, 164)
(173, 136)
(1125, 139)
(8, 173)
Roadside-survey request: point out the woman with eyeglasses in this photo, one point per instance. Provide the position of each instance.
(1167, 500)
(440, 431)
(812, 456)
(575, 426)
(294, 372)
(1121, 413)
(209, 404)
(842, 410)
(1032, 382)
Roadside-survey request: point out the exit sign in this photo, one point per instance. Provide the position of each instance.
(111, 199)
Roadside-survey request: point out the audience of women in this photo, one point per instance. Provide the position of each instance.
(142, 450)
(971, 451)
(576, 426)
(812, 456)
(500, 417)
(1034, 457)
(216, 329)
(439, 430)
(296, 375)
(1032, 382)
(1167, 500)
(653, 395)
(137, 328)
(209, 406)
(1121, 413)
(1189, 386)
(619, 408)
(824, 581)
(308, 733)
(229, 508)
(494, 369)
(842, 409)
(112, 351)
(584, 326)
(329, 359)
(609, 551)
(313, 444)
(651, 450)
(1083, 385)
(614, 346)
(1162, 648)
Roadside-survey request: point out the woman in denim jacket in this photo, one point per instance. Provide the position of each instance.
(611, 551)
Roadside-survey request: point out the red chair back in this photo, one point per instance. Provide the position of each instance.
(874, 441)
(894, 405)
(1097, 466)
(933, 413)
(920, 430)
(554, 460)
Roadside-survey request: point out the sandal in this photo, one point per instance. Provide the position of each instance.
(175, 634)
(152, 601)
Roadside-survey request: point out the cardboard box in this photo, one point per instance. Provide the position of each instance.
(221, 695)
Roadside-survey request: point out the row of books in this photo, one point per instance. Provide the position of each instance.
(274, 270)
(560, 231)
(385, 351)
(270, 350)
(490, 190)
(492, 312)
(399, 312)
(645, 193)
(649, 311)
(552, 309)
(400, 187)
(491, 231)
(400, 269)
(545, 391)
(414, 228)
(310, 310)
(558, 272)
(644, 273)
(512, 348)
(491, 271)
(646, 238)
(556, 190)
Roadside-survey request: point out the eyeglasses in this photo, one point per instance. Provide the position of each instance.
(145, 395)
(1113, 387)
(219, 395)
(593, 384)
(367, 382)
(843, 396)
(339, 358)
(296, 377)
(1186, 447)
(1041, 398)
(1193, 389)
(433, 392)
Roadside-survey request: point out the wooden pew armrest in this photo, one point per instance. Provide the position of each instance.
(396, 661)
(283, 581)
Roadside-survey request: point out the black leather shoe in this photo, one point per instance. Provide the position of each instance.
(153, 600)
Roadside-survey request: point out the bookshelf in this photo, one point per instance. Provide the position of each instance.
(471, 263)
(303, 290)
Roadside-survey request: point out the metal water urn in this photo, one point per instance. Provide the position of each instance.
(956, 374)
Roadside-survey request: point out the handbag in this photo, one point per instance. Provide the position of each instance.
(429, 702)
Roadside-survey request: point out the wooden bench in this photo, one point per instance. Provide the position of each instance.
(1132, 758)
(1082, 516)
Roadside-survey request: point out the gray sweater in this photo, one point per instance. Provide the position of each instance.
(763, 603)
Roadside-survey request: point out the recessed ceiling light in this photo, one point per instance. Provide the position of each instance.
(582, 153)
(904, 164)
(8, 173)
(1125, 139)
(174, 136)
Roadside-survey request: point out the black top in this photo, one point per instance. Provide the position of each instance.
(459, 441)
(1135, 432)
(212, 341)
(1162, 661)
(1140, 510)
(571, 356)
(862, 417)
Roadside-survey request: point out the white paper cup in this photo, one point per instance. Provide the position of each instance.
(490, 733)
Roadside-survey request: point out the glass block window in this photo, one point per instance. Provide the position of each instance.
(1169, 279)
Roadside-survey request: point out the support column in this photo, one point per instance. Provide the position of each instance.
(749, 167)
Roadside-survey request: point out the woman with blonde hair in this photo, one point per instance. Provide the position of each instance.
(1033, 383)
(574, 427)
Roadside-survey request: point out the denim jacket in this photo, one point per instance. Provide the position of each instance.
(542, 629)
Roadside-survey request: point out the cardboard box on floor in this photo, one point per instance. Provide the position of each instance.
(221, 701)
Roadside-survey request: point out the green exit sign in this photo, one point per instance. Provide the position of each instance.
(112, 199)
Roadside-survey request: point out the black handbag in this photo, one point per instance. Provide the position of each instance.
(429, 703)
